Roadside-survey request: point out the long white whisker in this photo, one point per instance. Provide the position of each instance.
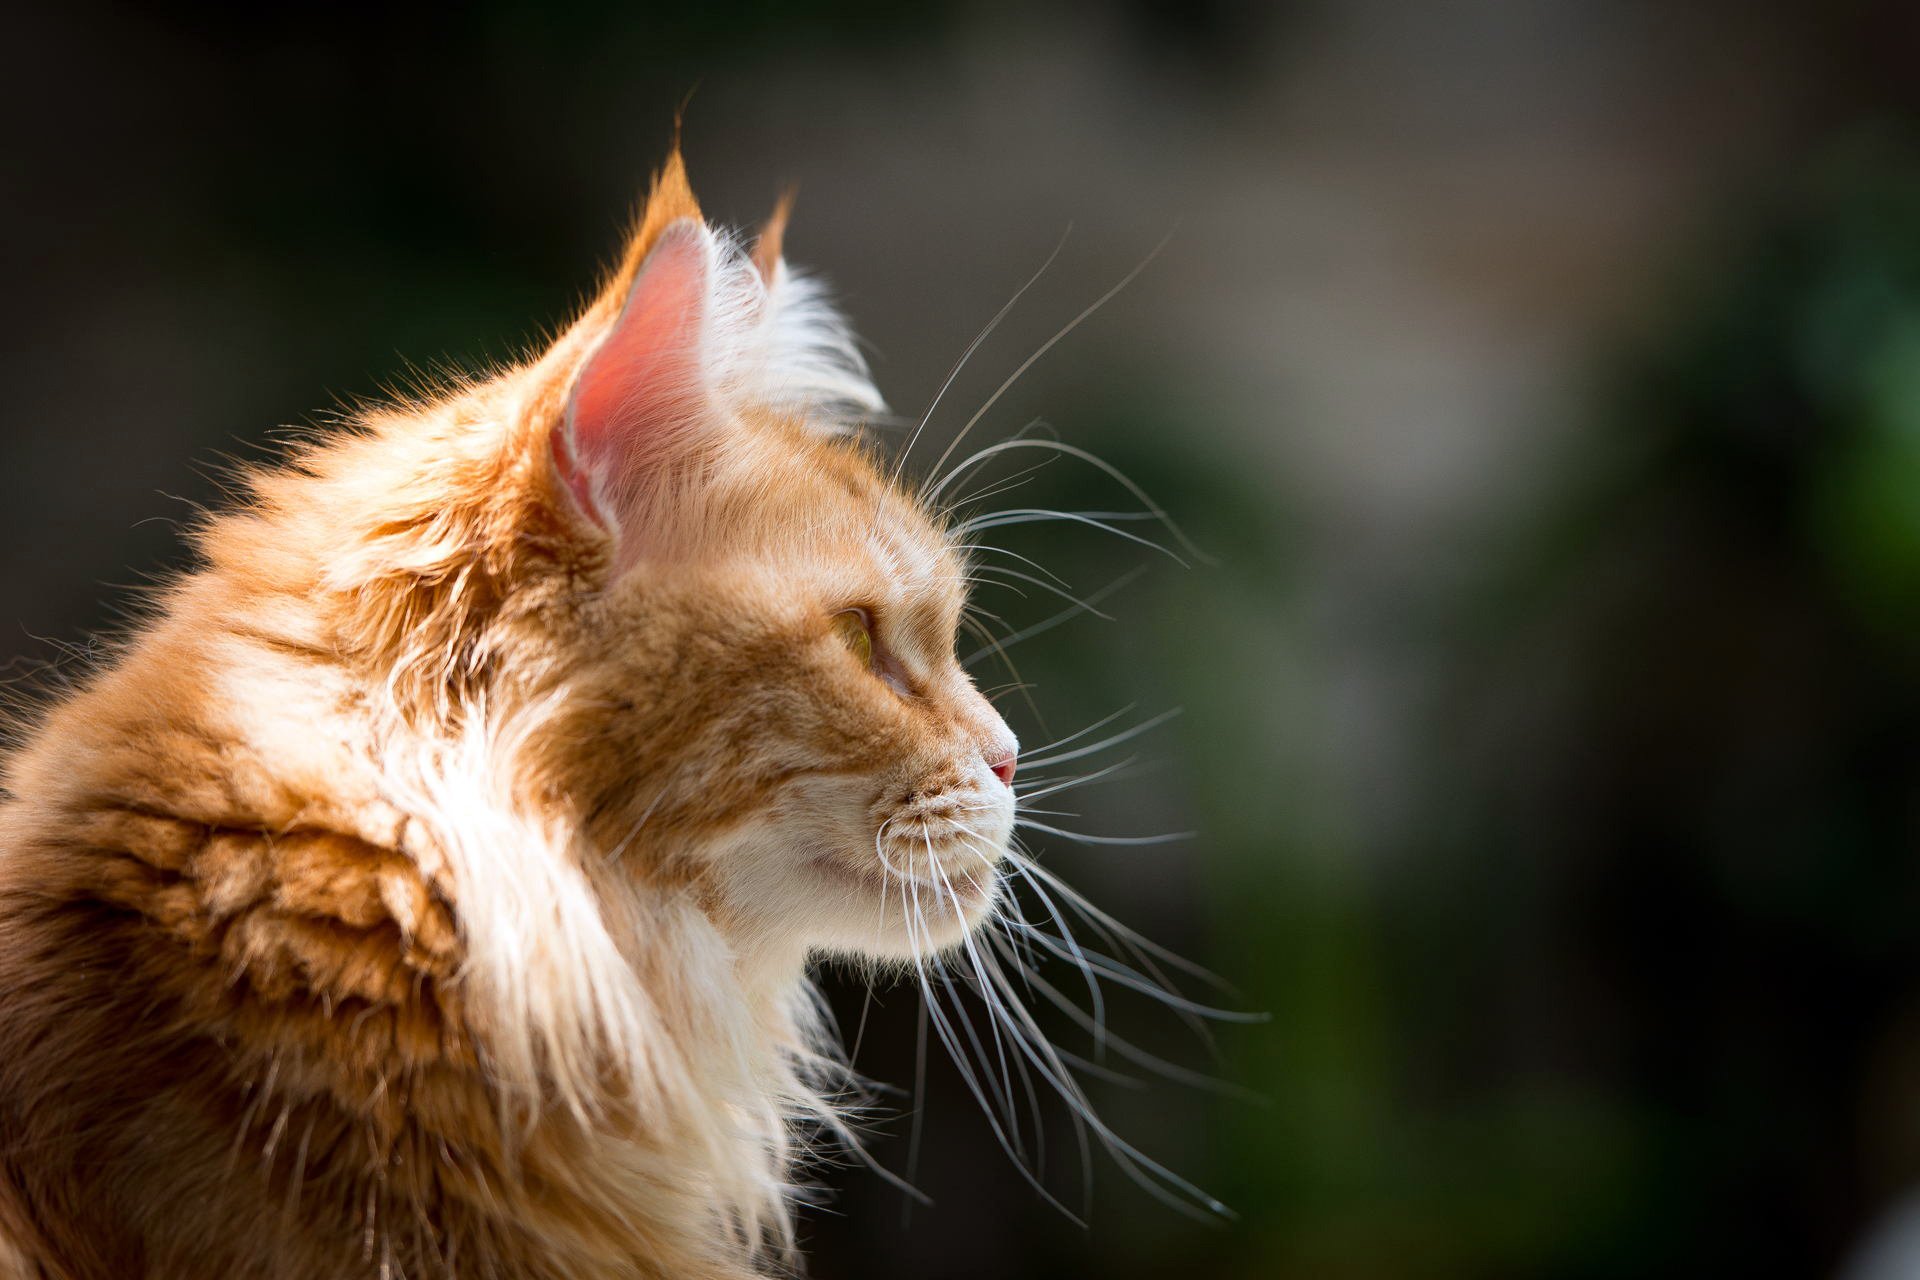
(997, 572)
(1153, 509)
(1118, 934)
(952, 1044)
(1005, 944)
(1018, 479)
(1065, 615)
(974, 625)
(1082, 837)
(1044, 347)
(942, 883)
(1013, 555)
(1042, 760)
(993, 1017)
(1108, 967)
(1094, 994)
(972, 347)
(1036, 515)
(1137, 1164)
(1080, 781)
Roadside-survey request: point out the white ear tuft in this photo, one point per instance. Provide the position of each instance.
(787, 347)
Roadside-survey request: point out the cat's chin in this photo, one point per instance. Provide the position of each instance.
(865, 909)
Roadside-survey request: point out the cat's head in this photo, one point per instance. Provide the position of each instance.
(739, 629)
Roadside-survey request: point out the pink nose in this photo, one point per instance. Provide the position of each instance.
(1003, 769)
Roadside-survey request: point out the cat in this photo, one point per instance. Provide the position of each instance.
(427, 888)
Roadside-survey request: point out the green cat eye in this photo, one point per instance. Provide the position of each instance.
(856, 633)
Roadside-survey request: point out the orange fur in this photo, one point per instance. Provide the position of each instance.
(770, 243)
(670, 200)
(427, 889)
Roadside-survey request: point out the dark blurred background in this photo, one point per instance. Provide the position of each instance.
(1544, 378)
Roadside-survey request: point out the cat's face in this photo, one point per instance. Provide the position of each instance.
(819, 679)
(766, 704)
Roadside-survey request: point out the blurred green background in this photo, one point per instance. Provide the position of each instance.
(1543, 378)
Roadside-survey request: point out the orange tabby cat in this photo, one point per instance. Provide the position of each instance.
(426, 890)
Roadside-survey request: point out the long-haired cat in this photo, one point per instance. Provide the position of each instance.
(427, 887)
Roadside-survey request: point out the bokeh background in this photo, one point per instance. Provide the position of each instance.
(1543, 380)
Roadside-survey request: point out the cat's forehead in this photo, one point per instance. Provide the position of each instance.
(852, 513)
(912, 547)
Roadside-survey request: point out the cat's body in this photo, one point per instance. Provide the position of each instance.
(427, 889)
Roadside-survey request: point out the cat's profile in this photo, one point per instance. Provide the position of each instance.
(427, 888)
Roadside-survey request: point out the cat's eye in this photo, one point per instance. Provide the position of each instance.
(855, 629)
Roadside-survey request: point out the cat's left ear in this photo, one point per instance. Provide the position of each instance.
(642, 390)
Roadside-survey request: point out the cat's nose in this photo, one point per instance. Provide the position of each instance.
(1003, 767)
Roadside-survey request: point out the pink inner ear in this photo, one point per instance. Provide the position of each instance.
(642, 389)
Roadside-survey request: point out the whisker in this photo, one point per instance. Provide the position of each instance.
(1080, 781)
(1008, 586)
(1081, 837)
(993, 645)
(993, 1020)
(1133, 1053)
(1041, 760)
(1044, 347)
(1107, 966)
(1017, 480)
(1127, 939)
(966, 938)
(972, 347)
(1014, 555)
(1094, 994)
(1036, 515)
(1066, 615)
(997, 572)
(1153, 511)
(968, 1076)
(1148, 1174)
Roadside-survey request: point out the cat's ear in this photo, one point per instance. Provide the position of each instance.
(692, 330)
(768, 245)
(644, 391)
